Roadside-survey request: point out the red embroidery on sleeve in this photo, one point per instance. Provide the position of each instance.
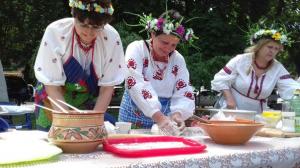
(227, 70)
(189, 95)
(180, 84)
(146, 94)
(131, 64)
(287, 76)
(130, 82)
(145, 62)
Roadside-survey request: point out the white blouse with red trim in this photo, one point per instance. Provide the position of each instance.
(248, 90)
(145, 82)
(55, 50)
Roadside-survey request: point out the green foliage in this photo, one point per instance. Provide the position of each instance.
(127, 35)
(220, 27)
(202, 70)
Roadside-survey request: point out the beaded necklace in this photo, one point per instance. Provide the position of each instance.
(154, 58)
(84, 47)
(260, 67)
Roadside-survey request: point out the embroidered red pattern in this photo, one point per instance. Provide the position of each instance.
(158, 75)
(145, 62)
(131, 64)
(146, 94)
(287, 76)
(180, 84)
(175, 70)
(227, 70)
(189, 95)
(130, 82)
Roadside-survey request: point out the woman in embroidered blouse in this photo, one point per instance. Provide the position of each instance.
(79, 61)
(248, 79)
(157, 80)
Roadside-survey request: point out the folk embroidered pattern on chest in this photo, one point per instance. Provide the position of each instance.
(158, 75)
(175, 70)
(145, 62)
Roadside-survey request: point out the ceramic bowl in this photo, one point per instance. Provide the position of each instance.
(231, 132)
(77, 132)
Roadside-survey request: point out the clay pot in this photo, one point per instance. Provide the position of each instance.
(77, 132)
(230, 132)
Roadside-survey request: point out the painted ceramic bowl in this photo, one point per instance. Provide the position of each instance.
(231, 132)
(77, 132)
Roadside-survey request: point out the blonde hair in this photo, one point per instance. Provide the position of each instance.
(256, 47)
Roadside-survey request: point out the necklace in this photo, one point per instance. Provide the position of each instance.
(260, 67)
(86, 48)
(160, 73)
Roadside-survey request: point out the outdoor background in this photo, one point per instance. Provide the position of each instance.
(221, 27)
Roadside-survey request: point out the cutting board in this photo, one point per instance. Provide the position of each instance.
(272, 132)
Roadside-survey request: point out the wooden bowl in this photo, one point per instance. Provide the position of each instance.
(231, 132)
(77, 132)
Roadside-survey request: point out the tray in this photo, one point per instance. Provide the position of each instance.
(19, 151)
(272, 132)
(129, 147)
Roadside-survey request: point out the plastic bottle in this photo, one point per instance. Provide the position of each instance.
(295, 103)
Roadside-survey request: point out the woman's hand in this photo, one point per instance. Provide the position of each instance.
(229, 99)
(56, 93)
(177, 117)
(165, 124)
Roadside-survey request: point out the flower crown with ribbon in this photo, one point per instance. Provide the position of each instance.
(276, 35)
(93, 6)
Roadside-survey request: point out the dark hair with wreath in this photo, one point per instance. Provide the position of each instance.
(98, 12)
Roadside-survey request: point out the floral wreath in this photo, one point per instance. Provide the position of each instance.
(93, 6)
(168, 26)
(276, 35)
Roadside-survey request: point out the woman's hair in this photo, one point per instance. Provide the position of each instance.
(257, 46)
(94, 18)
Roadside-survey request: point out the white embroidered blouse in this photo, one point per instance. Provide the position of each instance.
(55, 49)
(250, 92)
(145, 83)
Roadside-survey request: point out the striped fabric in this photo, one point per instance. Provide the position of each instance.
(129, 112)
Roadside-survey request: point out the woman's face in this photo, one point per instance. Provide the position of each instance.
(269, 51)
(87, 32)
(164, 44)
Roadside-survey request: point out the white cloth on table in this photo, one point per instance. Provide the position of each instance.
(56, 48)
(145, 85)
(9, 109)
(249, 92)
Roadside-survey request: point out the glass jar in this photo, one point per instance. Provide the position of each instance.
(295, 104)
(288, 121)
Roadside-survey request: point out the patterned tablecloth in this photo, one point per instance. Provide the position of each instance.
(258, 152)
